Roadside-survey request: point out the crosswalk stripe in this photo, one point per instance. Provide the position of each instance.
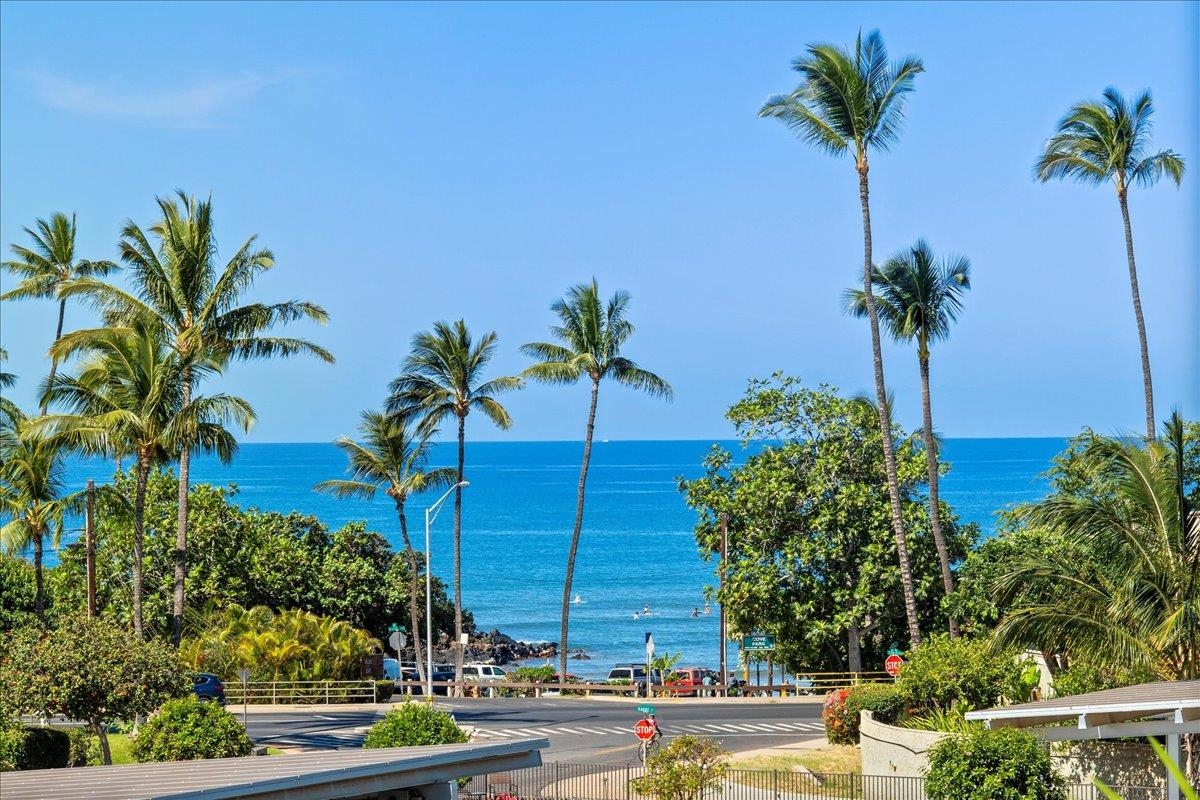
(595, 731)
(726, 728)
(751, 728)
(778, 726)
(619, 731)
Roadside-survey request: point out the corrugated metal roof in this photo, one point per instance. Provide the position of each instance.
(1152, 698)
(265, 776)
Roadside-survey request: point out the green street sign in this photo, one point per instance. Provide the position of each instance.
(758, 641)
(645, 709)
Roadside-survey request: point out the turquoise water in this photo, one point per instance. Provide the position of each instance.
(637, 548)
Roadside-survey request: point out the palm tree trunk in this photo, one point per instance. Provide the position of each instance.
(854, 647)
(563, 648)
(456, 645)
(1147, 384)
(62, 310)
(931, 465)
(885, 421)
(39, 603)
(413, 614)
(139, 516)
(185, 458)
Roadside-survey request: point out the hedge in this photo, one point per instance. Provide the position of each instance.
(24, 747)
(995, 764)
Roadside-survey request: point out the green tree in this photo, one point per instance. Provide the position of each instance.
(197, 309)
(590, 335)
(809, 539)
(392, 456)
(18, 592)
(688, 768)
(1109, 140)
(128, 398)
(32, 495)
(852, 102)
(945, 673)
(49, 265)
(89, 670)
(443, 378)
(919, 299)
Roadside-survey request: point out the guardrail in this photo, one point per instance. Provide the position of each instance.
(301, 692)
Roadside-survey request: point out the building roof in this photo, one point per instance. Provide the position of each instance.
(325, 775)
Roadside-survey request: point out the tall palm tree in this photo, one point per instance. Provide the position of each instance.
(1109, 140)
(7, 381)
(589, 337)
(392, 456)
(1131, 588)
(179, 289)
(442, 378)
(32, 493)
(852, 102)
(919, 299)
(128, 398)
(48, 265)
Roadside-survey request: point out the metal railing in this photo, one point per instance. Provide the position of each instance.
(301, 692)
(562, 781)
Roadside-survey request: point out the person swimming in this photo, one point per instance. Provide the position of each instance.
(696, 613)
(635, 615)
(707, 608)
(577, 599)
(645, 611)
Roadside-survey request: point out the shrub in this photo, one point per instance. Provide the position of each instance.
(1087, 675)
(384, 690)
(996, 764)
(943, 672)
(24, 747)
(414, 723)
(187, 729)
(686, 769)
(842, 707)
(83, 744)
(534, 674)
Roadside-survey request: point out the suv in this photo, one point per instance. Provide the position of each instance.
(208, 687)
(634, 674)
(482, 673)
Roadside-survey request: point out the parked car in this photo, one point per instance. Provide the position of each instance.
(634, 674)
(688, 681)
(208, 687)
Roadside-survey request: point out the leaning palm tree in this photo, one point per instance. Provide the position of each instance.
(48, 265)
(442, 378)
(852, 102)
(1130, 586)
(128, 398)
(1109, 140)
(32, 494)
(198, 307)
(919, 299)
(392, 456)
(589, 337)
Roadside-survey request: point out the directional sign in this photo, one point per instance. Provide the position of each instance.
(893, 664)
(644, 730)
(645, 709)
(758, 641)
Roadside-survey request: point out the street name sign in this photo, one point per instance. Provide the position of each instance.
(645, 709)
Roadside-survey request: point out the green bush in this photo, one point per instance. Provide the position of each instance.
(24, 747)
(83, 744)
(996, 764)
(688, 768)
(1086, 675)
(533, 674)
(943, 673)
(384, 690)
(187, 729)
(414, 723)
(842, 707)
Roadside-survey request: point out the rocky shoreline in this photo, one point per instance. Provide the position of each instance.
(494, 647)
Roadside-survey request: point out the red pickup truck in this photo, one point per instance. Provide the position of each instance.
(688, 681)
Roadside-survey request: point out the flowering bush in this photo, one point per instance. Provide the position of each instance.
(842, 707)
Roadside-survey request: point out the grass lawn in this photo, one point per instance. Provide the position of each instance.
(120, 743)
(830, 759)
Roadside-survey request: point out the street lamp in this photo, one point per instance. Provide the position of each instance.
(430, 515)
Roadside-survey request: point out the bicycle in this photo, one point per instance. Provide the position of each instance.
(647, 746)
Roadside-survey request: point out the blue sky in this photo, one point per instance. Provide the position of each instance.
(409, 163)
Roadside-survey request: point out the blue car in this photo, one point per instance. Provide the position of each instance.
(208, 687)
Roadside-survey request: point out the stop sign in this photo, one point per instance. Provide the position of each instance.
(644, 730)
(893, 664)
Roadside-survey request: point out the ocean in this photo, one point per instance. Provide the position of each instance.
(637, 548)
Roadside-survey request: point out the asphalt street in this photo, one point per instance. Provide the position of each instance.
(582, 731)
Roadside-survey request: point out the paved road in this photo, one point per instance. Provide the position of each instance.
(579, 730)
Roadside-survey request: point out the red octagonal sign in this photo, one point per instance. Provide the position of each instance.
(893, 664)
(644, 730)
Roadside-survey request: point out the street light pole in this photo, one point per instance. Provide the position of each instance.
(430, 515)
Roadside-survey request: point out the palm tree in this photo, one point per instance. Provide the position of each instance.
(198, 309)
(441, 378)
(32, 494)
(393, 457)
(853, 103)
(49, 265)
(1109, 140)
(1130, 588)
(919, 300)
(128, 398)
(589, 337)
(7, 381)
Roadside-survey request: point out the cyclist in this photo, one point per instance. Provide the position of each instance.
(657, 730)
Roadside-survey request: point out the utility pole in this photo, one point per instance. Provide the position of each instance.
(90, 534)
(720, 601)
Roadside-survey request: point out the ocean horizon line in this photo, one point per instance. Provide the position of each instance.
(689, 440)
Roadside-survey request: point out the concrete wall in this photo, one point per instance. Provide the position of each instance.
(888, 750)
